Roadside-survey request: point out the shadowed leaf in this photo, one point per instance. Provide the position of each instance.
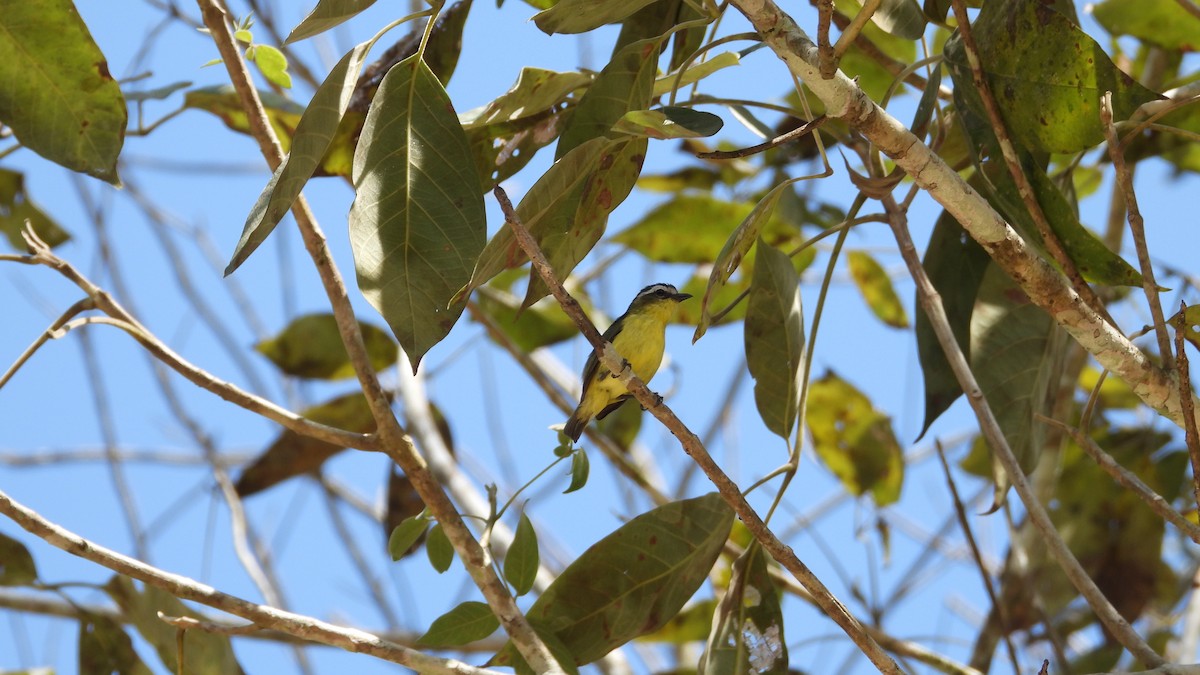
(1165, 23)
(855, 440)
(955, 264)
(580, 16)
(293, 454)
(105, 648)
(439, 549)
(774, 339)
(665, 555)
(206, 653)
(625, 84)
(417, 223)
(56, 93)
(406, 536)
(311, 347)
(16, 207)
(16, 564)
(521, 561)
(669, 123)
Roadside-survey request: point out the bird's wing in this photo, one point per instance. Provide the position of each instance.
(592, 368)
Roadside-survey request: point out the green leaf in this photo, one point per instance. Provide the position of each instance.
(690, 625)
(16, 564)
(405, 536)
(439, 549)
(326, 15)
(664, 556)
(696, 72)
(293, 454)
(955, 264)
(105, 648)
(567, 242)
(1016, 354)
(223, 101)
(417, 224)
(581, 16)
(1160, 22)
(625, 84)
(536, 91)
(876, 288)
(521, 561)
(747, 632)
(204, 653)
(1030, 52)
(855, 440)
(540, 325)
(56, 93)
(555, 196)
(735, 249)
(156, 94)
(466, 623)
(668, 122)
(315, 132)
(580, 468)
(273, 65)
(16, 207)
(774, 338)
(311, 347)
(901, 18)
(1095, 261)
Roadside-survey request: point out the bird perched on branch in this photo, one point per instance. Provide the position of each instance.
(639, 336)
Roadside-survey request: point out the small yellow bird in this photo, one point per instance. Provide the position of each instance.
(639, 336)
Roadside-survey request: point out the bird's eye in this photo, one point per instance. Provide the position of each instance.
(660, 293)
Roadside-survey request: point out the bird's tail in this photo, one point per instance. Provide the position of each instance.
(574, 426)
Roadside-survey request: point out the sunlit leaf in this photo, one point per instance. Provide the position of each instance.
(955, 265)
(625, 84)
(16, 207)
(774, 339)
(521, 561)
(747, 632)
(664, 556)
(466, 623)
(535, 91)
(223, 102)
(690, 625)
(417, 223)
(293, 454)
(439, 549)
(1030, 52)
(696, 72)
(854, 439)
(326, 15)
(406, 535)
(1114, 392)
(1165, 23)
(56, 94)
(311, 347)
(105, 648)
(876, 288)
(273, 65)
(580, 16)
(16, 563)
(206, 653)
(669, 123)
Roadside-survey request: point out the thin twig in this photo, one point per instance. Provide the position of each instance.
(977, 556)
(691, 444)
(799, 132)
(305, 627)
(1128, 480)
(1191, 434)
(1137, 227)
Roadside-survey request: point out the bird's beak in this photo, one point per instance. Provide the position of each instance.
(680, 297)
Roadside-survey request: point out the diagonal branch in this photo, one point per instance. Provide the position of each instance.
(846, 101)
(729, 490)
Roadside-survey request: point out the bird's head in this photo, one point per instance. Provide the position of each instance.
(659, 299)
